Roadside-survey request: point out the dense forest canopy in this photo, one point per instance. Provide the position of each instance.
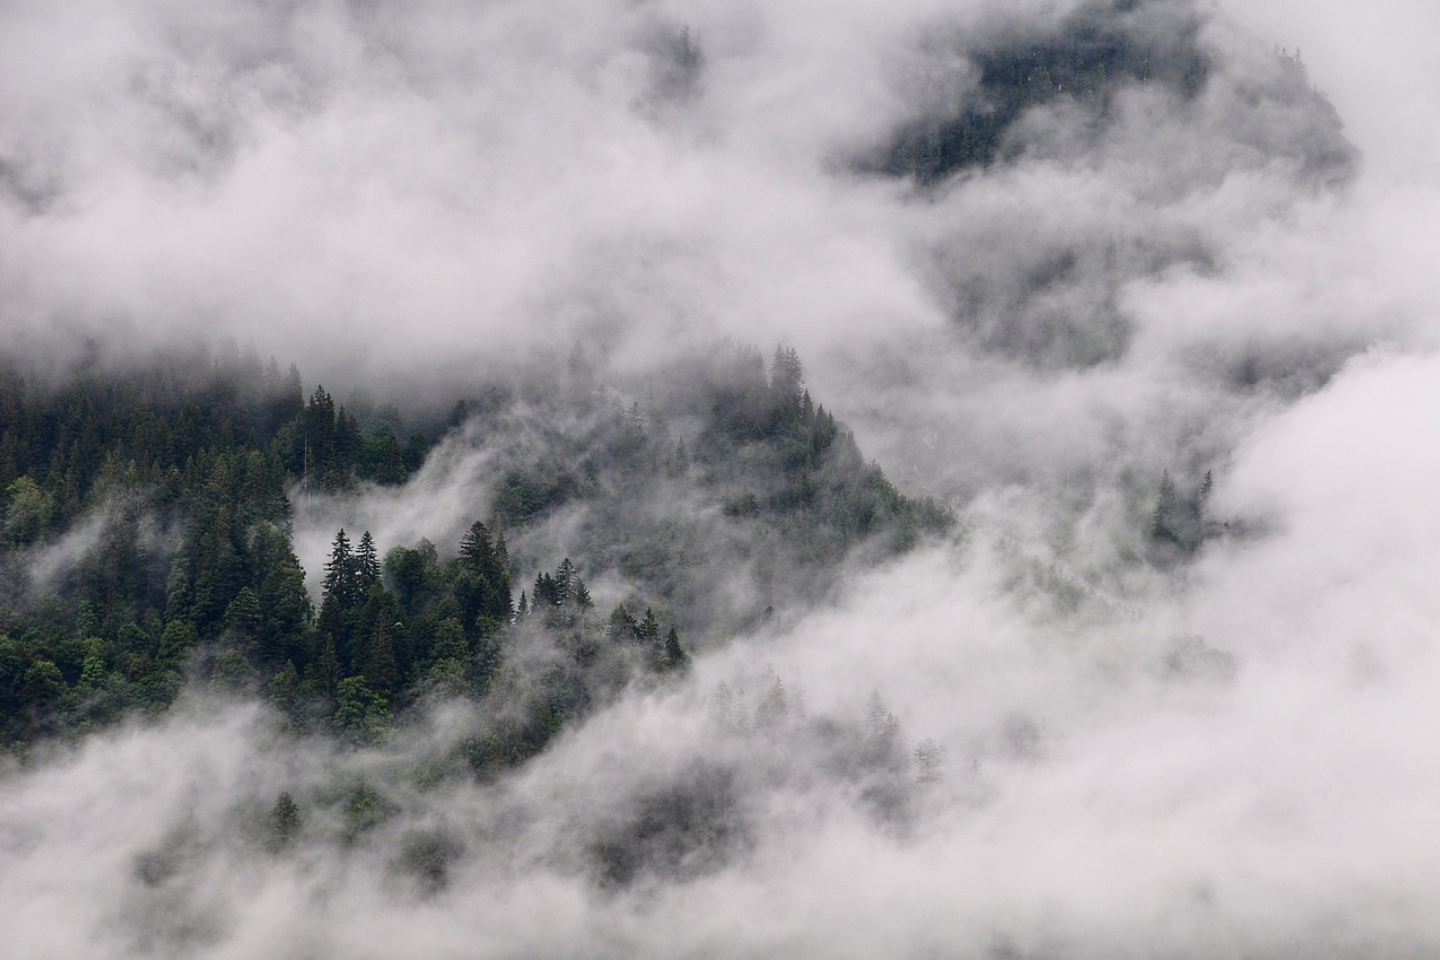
(168, 491)
(535, 613)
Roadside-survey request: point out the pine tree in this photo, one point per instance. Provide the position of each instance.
(326, 668)
(672, 657)
(450, 643)
(340, 572)
(361, 714)
(284, 603)
(284, 690)
(649, 631)
(333, 628)
(367, 564)
(622, 626)
(348, 443)
(488, 593)
(319, 458)
(545, 593)
(244, 613)
(476, 551)
(1163, 514)
(787, 385)
(564, 575)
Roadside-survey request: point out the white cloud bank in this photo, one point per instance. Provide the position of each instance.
(436, 186)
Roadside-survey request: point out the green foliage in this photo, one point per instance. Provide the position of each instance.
(43, 685)
(184, 467)
(27, 514)
(527, 493)
(726, 469)
(361, 715)
(233, 674)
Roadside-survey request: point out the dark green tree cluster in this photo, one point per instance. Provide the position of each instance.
(328, 449)
(331, 441)
(1178, 521)
(63, 443)
(175, 481)
(729, 437)
(814, 481)
(559, 597)
(664, 654)
(170, 483)
(561, 662)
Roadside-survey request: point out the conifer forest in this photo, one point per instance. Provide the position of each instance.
(705, 479)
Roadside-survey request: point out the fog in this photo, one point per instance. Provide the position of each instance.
(1132, 753)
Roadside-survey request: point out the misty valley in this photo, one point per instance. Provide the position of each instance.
(150, 515)
(149, 565)
(710, 479)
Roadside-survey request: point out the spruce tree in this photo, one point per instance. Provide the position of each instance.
(340, 579)
(367, 564)
(580, 594)
(622, 626)
(476, 551)
(1164, 513)
(564, 574)
(649, 631)
(319, 458)
(672, 656)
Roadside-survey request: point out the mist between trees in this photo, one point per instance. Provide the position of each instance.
(722, 496)
(494, 647)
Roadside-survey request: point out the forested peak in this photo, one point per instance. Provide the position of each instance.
(664, 495)
(1016, 77)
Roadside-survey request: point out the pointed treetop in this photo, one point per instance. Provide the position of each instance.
(367, 563)
(476, 550)
(579, 594)
(340, 570)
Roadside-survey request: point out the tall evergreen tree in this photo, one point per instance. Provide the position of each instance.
(564, 576)
(476, 550)
(341, 575)
(670, 656)
(649, 632)
(1163, 516)
(320, 458)
(367, 564)
(787, 384)
(580, 594)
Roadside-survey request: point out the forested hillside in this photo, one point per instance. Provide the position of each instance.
(535, 613)
(148, 540)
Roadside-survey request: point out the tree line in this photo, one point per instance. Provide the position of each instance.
(146, 542)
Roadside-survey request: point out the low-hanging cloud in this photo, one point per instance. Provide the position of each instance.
(1224, 754)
